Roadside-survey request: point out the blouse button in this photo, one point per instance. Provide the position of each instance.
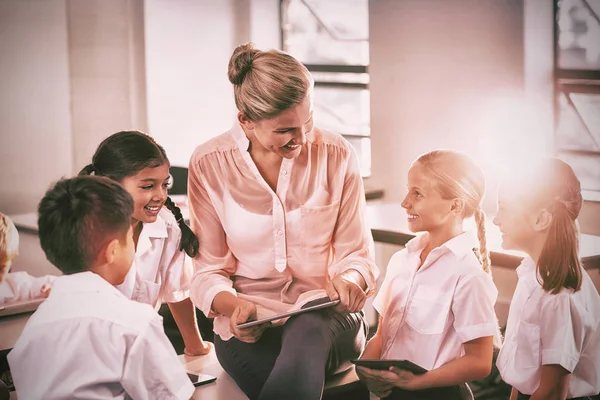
(284, 172)
(279, 233)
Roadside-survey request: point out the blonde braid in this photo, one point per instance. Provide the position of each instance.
(484, 255)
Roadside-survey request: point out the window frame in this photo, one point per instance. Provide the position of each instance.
(566, 81)
(329, 68)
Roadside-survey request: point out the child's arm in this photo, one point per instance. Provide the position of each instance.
(554, 383)
(372, 351)
(178, 278)
(184, 314)
(374, 346)
(26, 287)
(513, 394)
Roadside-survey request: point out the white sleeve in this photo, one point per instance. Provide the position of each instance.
(561, 332)
(26, 287)
(152, 369)
(473, 307)
(178, 277)
(383, 297)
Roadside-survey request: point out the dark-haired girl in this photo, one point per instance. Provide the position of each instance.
(161, 272)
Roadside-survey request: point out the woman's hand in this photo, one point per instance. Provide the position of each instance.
(380, 388)
(348, 288)
(245, 311)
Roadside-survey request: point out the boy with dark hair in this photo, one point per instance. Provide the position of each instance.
(87, 340)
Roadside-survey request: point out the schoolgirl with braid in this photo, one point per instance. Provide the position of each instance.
(436, 303)
(161, 271)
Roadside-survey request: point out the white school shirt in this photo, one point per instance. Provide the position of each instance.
(20, 286)
(544, 329)
(429, 312)
(160, 271)
(88, 341)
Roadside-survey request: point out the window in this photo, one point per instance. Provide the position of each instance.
(577, 88)
(331, 37)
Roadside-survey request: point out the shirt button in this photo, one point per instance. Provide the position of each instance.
(279, 233)
(284, 172)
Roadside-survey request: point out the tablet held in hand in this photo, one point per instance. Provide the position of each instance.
(311, 306)
(386, 364)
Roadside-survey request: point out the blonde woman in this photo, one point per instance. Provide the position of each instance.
(279, 208)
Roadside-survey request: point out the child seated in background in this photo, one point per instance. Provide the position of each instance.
(87, 340)
(17, 286)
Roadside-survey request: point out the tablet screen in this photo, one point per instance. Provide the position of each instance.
(311, 306)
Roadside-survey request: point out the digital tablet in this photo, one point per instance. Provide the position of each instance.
(386, 364)
(20, 307)
(310, 306)
(201, 379)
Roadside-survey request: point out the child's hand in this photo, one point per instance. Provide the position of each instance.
(375, 385)
(45, 290)
(401, 378)
(201, 350)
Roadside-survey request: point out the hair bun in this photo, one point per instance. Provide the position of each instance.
(240, 62)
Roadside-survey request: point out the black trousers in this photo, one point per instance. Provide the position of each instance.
(522, 396)
(292, 361)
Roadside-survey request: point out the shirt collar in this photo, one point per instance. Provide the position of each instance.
(459, 245)
(153, 230)
(240, 136)
(86, 281)
(527, 267)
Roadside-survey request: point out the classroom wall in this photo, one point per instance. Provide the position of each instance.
(35, 124)
(107, 72)
(71, 73)
(188, 45)
(439, 70)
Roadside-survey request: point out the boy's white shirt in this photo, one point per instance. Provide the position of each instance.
(20, 286)
(160, 271)
(544, 329)
(87, 340)
(429, 312)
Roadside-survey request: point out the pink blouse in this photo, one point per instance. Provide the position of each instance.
(276, 249)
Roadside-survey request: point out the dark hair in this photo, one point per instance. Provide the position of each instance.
(554, 185)
(126, 153)
(78, 217)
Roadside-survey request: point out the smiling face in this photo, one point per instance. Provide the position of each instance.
(148, 188)
(284, 134)
(425, 207)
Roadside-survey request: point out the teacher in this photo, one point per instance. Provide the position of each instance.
(279, 208)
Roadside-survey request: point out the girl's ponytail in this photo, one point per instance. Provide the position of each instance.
(559, 265)
(189, 241)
